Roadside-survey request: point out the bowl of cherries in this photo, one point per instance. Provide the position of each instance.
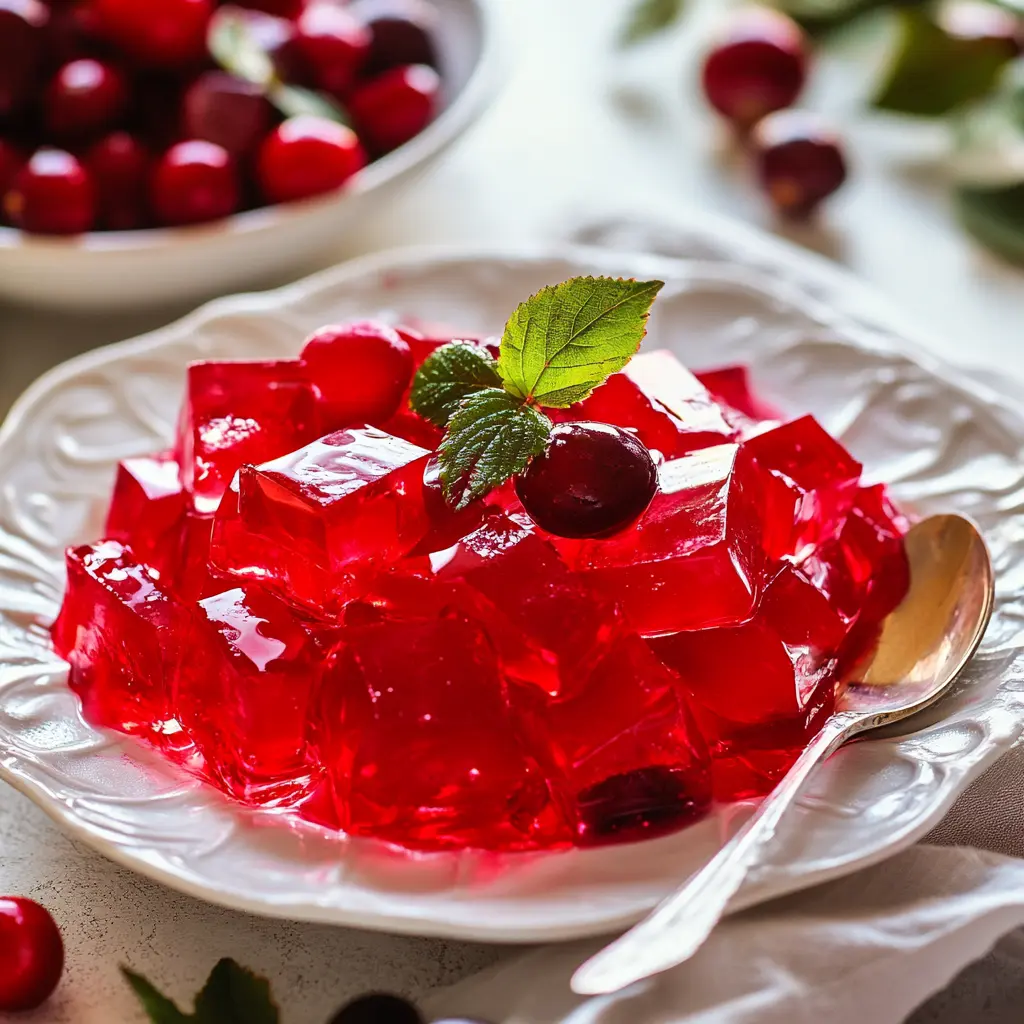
(167, 150)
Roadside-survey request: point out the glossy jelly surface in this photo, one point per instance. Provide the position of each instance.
(296, 613)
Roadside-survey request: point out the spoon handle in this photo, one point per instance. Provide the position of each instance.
(678, 927)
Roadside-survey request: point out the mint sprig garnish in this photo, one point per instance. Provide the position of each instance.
(558, 346)
(231, 995)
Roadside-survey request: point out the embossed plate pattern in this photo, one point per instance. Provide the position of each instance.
(944, 442)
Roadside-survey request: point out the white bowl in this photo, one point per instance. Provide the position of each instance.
(120, 269)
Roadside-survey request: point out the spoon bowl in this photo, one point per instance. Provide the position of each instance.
(921, 649)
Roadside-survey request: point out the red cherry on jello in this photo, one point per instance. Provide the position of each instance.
(361, 371)
(378, 1008)
(799, 160)
(332, 44)
(403, 32)
(157, 33)
(593, 480)
(85, 96)
(194, 181)
(22, 38)
(305, 156)
(31, 954)
(52, 194)
(227, 110)
(759, 65)
(120, 166)
(396, 106)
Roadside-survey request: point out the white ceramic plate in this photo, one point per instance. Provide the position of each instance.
(944, 443)
(119, 269)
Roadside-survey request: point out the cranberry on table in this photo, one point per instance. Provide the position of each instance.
(52, 194)
(84, 97)
(332, 45)
(227, 110)
(800, 161)
(361, 371)
(157, 33)
(396, 106)
(593, 480)
(403, 32)
(31, 954)
(758, 66)
(120, 166)
(194, 181)
(22, 38)
(305, 156)
(378, 1008)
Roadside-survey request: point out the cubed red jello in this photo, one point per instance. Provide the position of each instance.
(313, 525)
(240, 412)
(121, 632)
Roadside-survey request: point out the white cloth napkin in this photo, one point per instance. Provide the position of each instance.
(871, 947)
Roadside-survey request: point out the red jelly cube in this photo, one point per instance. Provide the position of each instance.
(761, 690)
(240, 412)
(810, 482)
(628, 755)
(731, 386)
(420, 746)
(658, 399)
(243, 693)
(695, 559)
(120, 632)
(313, 524)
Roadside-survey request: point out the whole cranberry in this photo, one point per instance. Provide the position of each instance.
(799, 160)
(396, 106)
(593, 480)
(31, 954)
(378, 1008)
(194, 181)
(52, 194)
(12, 159)
(759, 65)
(331, 44)
(120, 167)
(361, 371)
(403, 32)
(157, 33)
(22, 39)
(86, 96)
(306, 156)
(227, 110)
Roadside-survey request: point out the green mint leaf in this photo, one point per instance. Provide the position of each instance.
(294, 101)
(649, 17)
(491, 437)
(995, 217)
(234, 47)
(159, 1009)
(935, 71)
(447, 376)
(562, 343)
(233, 995)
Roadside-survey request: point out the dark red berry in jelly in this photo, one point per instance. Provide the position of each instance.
(593, 480)
(361, 371)
(378, 1008)
(332, 44)
(195, 181)
(759, 65)
(306, 156)
(120, 167)
(52, 194)
(395, 106)
(799, 160)
(22, 38)
(31, 954)
(227, 110)
(85, 97)
(403, 32)
(157, 33)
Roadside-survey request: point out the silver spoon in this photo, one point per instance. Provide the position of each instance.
(924, 645)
